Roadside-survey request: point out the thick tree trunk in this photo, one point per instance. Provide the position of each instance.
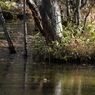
(47, 17)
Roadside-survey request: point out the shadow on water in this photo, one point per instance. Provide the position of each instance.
(25, 75)
(6, 60)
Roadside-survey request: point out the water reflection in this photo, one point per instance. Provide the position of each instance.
(26, 78)
(50, 81)
(19, 76)
(58, 87)
(18, 27)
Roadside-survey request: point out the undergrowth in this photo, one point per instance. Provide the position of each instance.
(10, 9)
(76, 44)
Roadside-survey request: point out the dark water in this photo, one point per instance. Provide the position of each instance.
(20, 76)
(24, 77)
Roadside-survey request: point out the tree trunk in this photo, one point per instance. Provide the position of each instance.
(78, 13)
(47, 17)
(11, 47)
(68, 10)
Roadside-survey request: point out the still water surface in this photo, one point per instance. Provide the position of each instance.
(23, 77)
(20, 76)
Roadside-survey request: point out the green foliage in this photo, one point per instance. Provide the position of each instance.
(10, 6)
(10, 9)
(4, 0)
(75, 43)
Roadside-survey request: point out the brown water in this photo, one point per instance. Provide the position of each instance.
(21, 76)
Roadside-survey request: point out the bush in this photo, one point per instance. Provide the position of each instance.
(10, 9)
(76, 44)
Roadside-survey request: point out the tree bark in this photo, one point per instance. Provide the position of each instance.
(47, 17)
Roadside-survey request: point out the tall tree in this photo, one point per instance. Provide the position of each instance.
(47, 17)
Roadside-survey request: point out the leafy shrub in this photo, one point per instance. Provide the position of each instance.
(76, 43)
(10, 9)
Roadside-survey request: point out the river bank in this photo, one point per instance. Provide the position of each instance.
(41, 52)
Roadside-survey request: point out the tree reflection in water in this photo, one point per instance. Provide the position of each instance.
(19, 76)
